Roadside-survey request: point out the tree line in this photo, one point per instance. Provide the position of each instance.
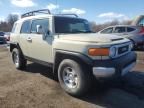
(7, 25)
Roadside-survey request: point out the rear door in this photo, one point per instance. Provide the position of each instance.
(134, 34)
(132, 30)
(24, 37)
(121, 31)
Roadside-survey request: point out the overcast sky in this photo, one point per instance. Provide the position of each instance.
(94, 10)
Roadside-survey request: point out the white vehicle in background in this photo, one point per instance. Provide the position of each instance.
(134, 33)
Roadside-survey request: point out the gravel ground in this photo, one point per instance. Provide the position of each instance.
(35, 88)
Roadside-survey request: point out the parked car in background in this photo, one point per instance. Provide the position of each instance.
(134, 33)
(2, 38)
(2, 33)
(7, 36)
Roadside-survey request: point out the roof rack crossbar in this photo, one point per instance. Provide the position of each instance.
(68, 14)
(32, 13)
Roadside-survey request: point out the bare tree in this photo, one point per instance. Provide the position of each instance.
(3, 26)
(93, 26)
(128, 22)
(11, 19)
(7, 25)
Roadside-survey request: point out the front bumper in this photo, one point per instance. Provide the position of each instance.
(115, 67)
(103, 71)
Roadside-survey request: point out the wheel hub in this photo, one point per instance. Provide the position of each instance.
(70, 77)
(16, 59)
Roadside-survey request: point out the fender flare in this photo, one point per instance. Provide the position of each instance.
(62, 54)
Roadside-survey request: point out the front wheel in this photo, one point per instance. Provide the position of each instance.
(73, 78)
(18, 59)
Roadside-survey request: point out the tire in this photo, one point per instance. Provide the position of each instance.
(73, 78)
(18, 59)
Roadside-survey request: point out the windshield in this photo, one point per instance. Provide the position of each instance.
(71, 25)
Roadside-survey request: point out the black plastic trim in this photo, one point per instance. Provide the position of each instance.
(83, 57)
(39, 61)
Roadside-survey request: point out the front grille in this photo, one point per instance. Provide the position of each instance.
(123, 49)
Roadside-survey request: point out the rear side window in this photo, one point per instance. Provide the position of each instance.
(42, 22)
(129, 29)
(108, 30)
(26, 27)
(120, 30)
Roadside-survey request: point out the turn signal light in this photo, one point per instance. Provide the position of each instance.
(98, 52)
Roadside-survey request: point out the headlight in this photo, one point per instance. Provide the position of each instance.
(112, 51)
(102, 51)
(131, 46)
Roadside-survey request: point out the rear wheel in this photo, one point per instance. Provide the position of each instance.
(18, 59)
(73, 78)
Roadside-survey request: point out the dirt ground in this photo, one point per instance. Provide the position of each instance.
(35, 88)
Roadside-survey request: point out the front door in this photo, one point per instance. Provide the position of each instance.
(39, 48)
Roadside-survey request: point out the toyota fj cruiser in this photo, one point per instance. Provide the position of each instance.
(66, 43)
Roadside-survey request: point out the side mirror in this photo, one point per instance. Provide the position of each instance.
(46, 34)
(39, 29)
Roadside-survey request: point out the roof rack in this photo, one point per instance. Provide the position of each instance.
(68, 14)
(33, 13)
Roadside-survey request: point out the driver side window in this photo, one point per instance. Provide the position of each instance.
(44, 23)
(77, 26)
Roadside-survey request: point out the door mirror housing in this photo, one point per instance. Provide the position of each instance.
(46, 34)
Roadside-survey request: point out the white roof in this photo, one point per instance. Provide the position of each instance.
(43, 16)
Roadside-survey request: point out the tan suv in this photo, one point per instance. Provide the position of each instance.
(66, 43)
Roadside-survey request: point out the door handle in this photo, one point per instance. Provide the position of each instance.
(29, 39)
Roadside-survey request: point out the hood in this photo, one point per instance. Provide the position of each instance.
(93, 37)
